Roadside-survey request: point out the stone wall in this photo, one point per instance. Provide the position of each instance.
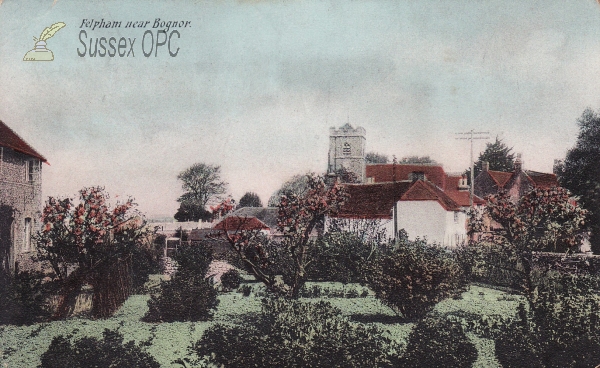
(21, 191)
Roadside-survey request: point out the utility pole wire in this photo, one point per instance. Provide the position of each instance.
(472, 135)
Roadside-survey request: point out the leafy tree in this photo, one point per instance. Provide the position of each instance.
(542, 220)
(189, 211)
(189, 295)
(581, 172)
(498, 155)
(250, 199)
(23, 298)
(291, 333)
(91, 352)
(297, 185)
(95, 238)
(300, 217)
(376, 158)
(346, 176)
(417, 160)
(231, 279)
(202, 184)
(415, 277)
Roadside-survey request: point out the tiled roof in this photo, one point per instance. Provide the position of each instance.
(8, 138)
(237, 223)
(372, 201)
(268, 215)
(462, 198)
(385, 173)
(542, 180)
(500, 177)
(426, 191)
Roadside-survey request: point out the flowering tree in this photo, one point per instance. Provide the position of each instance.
(299, 218)
(90, 243)
(542, 220)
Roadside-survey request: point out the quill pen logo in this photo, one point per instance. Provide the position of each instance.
(40, 52)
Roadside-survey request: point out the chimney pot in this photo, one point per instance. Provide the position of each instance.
(485, 166)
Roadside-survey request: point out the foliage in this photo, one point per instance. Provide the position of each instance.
(297, 185)
(342, 255)
(376, 158)
(231, 279)
(581, 172)
(560, 328)
(300, 218)
(23, 298)
(498, 155)
(346, 176)
(543, 219)
(490, 263)
(201, 184)
(145, 262)
(250, 199)
(189, 211)
(189, 295)
(437, 342)
(414, 277)
(223, 208)
(417, 160)
(290, 333)
(91, 352)
(98, 240)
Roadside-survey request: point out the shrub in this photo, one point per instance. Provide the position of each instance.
(246, 290)
(290, 333)
(414, 277)
(189, 295)
(23, 298)
(437, 342)
(560, 328)
(145, 262)
(341, 256)
(231, 279)
(90, 352)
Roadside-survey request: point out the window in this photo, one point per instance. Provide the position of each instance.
(27, 239)
(416, 175)
(456, 217)
(31, 170)
(346, 149)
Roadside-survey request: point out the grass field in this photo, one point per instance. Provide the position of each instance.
(22, 346)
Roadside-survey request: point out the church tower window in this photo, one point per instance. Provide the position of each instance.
(346, 149)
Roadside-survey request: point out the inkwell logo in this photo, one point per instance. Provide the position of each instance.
(40, 52)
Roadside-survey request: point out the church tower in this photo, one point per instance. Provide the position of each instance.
(347, 150)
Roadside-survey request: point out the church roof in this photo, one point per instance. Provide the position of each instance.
(10, 139)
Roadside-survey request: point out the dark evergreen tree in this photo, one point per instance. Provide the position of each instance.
(498, 155)
(250, 199)
(192, 212)
(581, 172)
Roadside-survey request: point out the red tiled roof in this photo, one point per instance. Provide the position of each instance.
(500, 177)
(372, 201)
(426, 191)
(8, 138)
(542, 180)
(237, 223)
(385, 173)
(462, 198)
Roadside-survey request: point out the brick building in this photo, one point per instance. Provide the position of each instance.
(20, 198)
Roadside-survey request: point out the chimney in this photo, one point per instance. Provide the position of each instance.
(518, 163)
(485, 166)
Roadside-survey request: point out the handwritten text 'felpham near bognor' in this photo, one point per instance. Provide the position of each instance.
(159, 34)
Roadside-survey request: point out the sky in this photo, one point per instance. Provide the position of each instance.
(255, 86)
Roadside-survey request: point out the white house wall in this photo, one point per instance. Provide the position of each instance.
(428, 219)
(354, 225)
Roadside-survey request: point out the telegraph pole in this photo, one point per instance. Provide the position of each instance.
(472, 135)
